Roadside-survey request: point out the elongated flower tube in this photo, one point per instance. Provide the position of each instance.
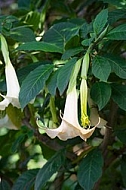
(83, 97)
(12, 83)
(83, 91)
(70, 127)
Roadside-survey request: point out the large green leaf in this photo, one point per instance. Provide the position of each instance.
(59, 34)
(118, 65)
(64, 74)
(100, 93)
(23, 72)
(26, 180)
(22, 34)
(52, 82)
(100, 21)
(118, 33)
(115, 15)
(121, 134)
(41, 46)
(101, 68)
(90, 169)
(123, 169)
(4, 185)
(71, 52)
(34, 83)
(119, 95)
(51, 167)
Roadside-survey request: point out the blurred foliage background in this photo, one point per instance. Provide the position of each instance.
(45, 39)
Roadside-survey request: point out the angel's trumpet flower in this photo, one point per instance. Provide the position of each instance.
(12, 83)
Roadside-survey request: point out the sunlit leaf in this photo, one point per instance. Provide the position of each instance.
(90, 169)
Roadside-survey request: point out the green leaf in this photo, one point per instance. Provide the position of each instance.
(64, 74)
(121, 134)
(100, 21)
(17, 143)
(22, 34)
(52, 82)
(118, 65)
(118, 33)
(4, 185)
(26, 180)
(101, 68)
(34, 83)
(41, 46)
(59, 34)
(90, 169)
(123, 169)
(51, 167)
(85, 30)
(23, 72)
(115, 15)
(100, 93)
(24, 3)
(71, 52)
(115, 2)
(119, 95)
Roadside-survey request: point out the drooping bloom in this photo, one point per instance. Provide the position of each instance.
(12, 83)
(70, 127)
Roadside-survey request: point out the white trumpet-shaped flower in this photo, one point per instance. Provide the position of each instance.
(70, 126)
(12, 83)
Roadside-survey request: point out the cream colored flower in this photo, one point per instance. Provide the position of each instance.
(70, 126)
(12, 83)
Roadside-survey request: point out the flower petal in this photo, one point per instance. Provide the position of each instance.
(4, 103)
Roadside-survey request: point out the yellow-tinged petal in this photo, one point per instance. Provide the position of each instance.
(70, 127)
(83, 97)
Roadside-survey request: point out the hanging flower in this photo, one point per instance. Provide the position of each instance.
(12, 83)
(70, 126)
